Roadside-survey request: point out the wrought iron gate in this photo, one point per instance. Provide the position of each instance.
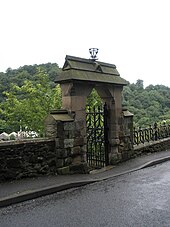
(97, 137)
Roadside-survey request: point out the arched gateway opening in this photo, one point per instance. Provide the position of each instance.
(96, 131)
(78, 79)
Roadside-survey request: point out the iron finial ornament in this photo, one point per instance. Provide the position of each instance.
(94, 52)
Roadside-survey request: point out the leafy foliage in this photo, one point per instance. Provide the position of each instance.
(27, 72)
(28, 94)
(94, 99)
(149, 105)
(25, 106)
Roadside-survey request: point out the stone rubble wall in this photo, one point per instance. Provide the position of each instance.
(62, 154)
(27, 158)
(150, 147)
(71, 147)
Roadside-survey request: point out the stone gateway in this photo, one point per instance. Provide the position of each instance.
(79, 76)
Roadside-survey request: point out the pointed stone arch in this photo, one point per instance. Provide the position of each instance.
(79, 76)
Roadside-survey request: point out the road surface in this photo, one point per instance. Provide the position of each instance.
(140, 198)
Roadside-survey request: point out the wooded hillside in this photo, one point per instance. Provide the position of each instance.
(28, 94)
(149, 105)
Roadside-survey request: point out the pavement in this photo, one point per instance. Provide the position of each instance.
(25, 189)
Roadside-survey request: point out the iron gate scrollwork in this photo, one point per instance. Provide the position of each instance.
(97, 136)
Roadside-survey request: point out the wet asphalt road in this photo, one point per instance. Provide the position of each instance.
(141, 198)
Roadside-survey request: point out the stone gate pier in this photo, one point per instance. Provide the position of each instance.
(68, 126)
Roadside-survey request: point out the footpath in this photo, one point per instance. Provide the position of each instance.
(26, 189)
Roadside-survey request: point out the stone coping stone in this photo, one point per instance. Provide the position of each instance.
(25, 141)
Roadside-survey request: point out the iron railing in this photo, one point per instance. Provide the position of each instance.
(152, 133)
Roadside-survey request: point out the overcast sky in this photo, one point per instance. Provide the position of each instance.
(132, 34)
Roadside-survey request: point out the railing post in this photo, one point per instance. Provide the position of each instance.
(136, 136)
(106, 141)
(156, 131)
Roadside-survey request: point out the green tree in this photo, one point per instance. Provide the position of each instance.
(94, 99)
(139, 84)
(148, 104)
(26, 106)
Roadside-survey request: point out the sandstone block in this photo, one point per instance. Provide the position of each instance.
(59, 163)
(79, 168)
(68, 143)
(64, 170)
(79, 141)
(61, 153)
(80, 125)
(75, 150)
(77, 159)
(68, 161)
(59, 143)
(69, 126)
